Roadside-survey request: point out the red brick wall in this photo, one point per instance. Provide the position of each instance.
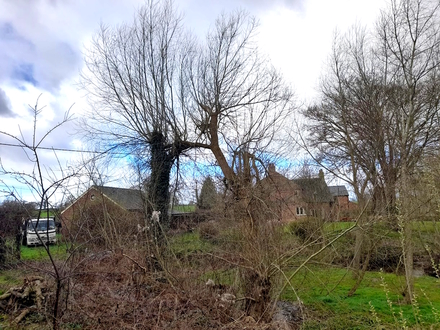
(343, 203)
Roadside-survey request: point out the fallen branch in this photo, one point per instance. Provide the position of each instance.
(5, 295)
(22, 315)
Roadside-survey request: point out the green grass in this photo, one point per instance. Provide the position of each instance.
(324, 290)
(38, 252)
(8, 279)
(337, 226)
(429, 227)
(422, 226)
(44, 214)
(184, 208)
(189, 243)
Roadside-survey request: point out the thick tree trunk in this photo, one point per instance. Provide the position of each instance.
(257, 289)
(161, 163)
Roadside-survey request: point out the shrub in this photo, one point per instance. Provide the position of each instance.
(104, 224)
(308, 228)
(208, 230)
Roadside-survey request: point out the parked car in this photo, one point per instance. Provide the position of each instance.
(37, 231)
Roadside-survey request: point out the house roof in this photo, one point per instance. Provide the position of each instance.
(129, 199)
(314, 190)
(338, 191)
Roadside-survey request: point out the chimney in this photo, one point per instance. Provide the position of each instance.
(321, 174)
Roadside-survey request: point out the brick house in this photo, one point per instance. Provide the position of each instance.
(121, 203)
(340, 196)
(292, 199)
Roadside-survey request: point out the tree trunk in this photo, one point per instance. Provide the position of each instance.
(2, 252)
(360, 272)
(406, 232)
(357, 252)
(161, 163)
(359, 238)
(55, 324)
(257, 289)
(18, 240)
(408, 261)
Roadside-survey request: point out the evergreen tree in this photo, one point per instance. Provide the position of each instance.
(208, 195)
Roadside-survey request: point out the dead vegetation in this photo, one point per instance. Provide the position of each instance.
(116, 290)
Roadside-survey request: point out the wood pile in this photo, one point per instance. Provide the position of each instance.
(24, 299)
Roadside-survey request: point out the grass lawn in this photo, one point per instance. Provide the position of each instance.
(184, 208)
(419, 226)
(39, 253)
(324, 291)
(189, 243)
(44, 214)
(337, 226)
(377, 304)
(14, 277)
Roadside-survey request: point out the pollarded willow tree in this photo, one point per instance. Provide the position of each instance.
(241, 103)
(379, 111)
(241, 107)
(136, 85)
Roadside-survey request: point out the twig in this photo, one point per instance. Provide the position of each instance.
(229, 261)
(137, 263)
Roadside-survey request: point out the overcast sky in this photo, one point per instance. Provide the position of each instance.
(42, 42)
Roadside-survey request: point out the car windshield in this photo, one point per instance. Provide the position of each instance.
(43, 225)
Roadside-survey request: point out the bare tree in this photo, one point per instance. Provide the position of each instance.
(43, 182)
(241, 102)
(379, 110)
(157, 94)
(410, 53)
(347, 129)
(343, 124)
(138, 93)
(241, 106)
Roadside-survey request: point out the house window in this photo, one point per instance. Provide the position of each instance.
(300, 211)
(92, 197)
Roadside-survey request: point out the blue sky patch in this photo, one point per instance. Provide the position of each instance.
(25, 72)
(7, 31)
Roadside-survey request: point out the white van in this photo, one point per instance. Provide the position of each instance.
(45, 228)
